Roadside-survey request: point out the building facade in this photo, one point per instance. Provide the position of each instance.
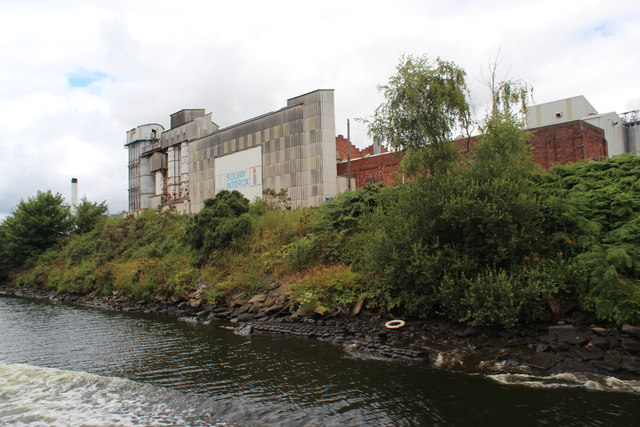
(295, 148)
(557, 143)
(292, 148)
(142, 141)
(578, 108)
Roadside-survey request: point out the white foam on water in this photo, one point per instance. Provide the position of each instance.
(567, 380)
(46, 396)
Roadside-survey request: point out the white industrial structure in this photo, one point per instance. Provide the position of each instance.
(74, 193)
(620, 139)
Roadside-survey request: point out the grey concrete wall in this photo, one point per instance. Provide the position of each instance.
(189, 131)
(298, 151)
(183, 116)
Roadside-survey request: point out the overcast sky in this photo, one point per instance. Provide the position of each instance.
(76, 75)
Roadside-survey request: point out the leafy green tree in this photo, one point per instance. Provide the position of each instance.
(425, 102)
(87, 215)
(34, 226)
(5, 253)
(502, 149)
(222, 219)
(456, 242)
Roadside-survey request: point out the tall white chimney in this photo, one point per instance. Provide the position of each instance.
(74, 192)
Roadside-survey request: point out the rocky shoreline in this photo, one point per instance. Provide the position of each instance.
(565, 347)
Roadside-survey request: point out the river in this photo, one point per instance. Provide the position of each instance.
(67, 365)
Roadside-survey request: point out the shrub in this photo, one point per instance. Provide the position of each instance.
(88, 214)
(324, 288)
(593, 211)
(446, 237)
(339, 220)
(221, 220)
(493, 297)
(33, 227)
(343, 213)
(300, 252)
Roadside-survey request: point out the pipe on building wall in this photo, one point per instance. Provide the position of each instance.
(159, 182)
(147, 186)
(184, 169)
(173, 181)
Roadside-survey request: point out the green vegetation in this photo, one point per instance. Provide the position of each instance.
(594, 220)
(222, 219)
(141, 256)
(461, 251)
(493, 241)
(484, 239)
(34, 226)
(88, 214)
(425, 102)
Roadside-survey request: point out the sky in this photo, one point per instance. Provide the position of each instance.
(76, 75)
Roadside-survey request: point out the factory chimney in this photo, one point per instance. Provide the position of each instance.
(74, 193)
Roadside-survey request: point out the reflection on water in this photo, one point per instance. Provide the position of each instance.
(259, 380)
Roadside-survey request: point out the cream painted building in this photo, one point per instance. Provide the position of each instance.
(578, 108)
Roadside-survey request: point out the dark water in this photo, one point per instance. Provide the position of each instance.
(66, 365)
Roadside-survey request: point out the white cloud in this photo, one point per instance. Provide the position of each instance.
(240, 59)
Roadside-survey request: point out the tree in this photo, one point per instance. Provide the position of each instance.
(88, 214)
(506, 94)
(425, 102)
(5, 253)
(34, 226)
(456, 241)
(222, 219)
(502, 149)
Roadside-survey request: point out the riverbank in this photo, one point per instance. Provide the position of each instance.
(565, 347)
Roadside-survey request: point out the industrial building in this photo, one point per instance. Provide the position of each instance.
(295, 148)
(292, 148)
(578, 108)
(563, 131)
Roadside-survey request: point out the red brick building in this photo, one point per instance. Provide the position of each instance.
(560, 143)
(568, 142)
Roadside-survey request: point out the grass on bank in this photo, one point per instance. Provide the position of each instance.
(573, 243)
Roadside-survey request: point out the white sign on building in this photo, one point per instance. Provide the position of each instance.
(240, 171)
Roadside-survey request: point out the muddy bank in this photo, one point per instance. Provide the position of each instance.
(540, 349)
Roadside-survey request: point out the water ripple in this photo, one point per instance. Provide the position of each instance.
(264, 380)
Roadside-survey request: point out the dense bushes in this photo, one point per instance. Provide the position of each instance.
(455, 243)
(34, 226)
(141, 256)
(489, 241)
(222, 219)
(41, 222)
(594, 217)
(341, 218)
(328, 289)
